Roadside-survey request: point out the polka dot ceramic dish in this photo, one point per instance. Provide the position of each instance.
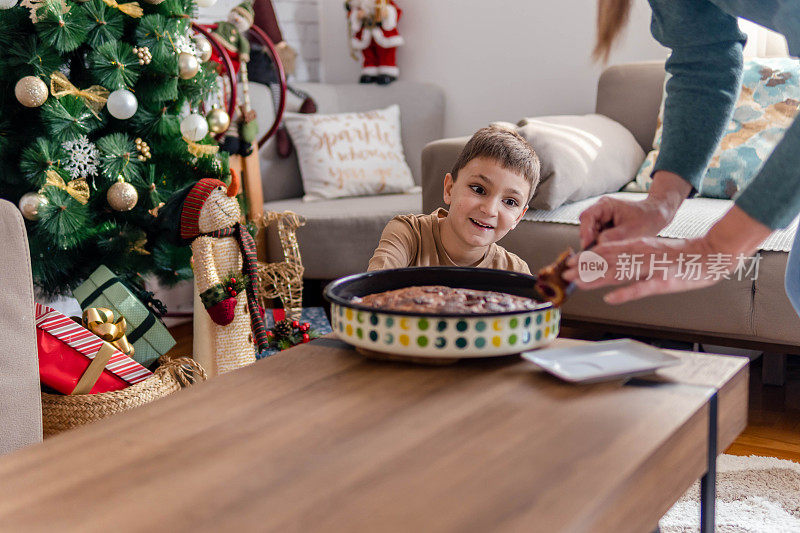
(402, 333)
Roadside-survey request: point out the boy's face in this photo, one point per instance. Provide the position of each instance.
(486, 201)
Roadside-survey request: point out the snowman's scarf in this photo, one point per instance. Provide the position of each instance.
(248, 247)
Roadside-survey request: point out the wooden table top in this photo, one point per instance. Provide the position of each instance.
(320, 438)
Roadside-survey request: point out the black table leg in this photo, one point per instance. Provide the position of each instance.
(708, 483)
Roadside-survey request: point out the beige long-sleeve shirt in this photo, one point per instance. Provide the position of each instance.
(415, 240)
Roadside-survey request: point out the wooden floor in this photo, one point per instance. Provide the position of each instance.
(774, 416)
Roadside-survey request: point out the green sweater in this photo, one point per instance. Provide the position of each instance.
(706, 67)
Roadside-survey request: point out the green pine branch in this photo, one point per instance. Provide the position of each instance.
(119, 158)
(157, 88)
(114, 65)
(172, 263)
(63, 31)
(158, 33)
(40, 156)
(198, 87)
(67, 118)
(62, 219)
(177, 9)
(28, 56)
(154, 120)
(14, 26)
(106, 23)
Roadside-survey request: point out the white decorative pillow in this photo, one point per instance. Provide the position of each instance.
(350, 154)
(581, 156)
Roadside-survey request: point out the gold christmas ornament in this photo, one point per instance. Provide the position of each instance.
(31, 91)
(30, 203)
(188, 65)
(122, 196)
(218, 120)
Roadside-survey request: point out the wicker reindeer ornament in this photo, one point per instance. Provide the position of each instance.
(224, 264)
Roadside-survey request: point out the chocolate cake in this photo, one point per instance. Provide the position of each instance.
(441, 299)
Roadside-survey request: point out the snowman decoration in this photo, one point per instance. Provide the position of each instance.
(224, 264)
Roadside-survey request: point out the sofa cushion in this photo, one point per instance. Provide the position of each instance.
(350, 154)
(582, 156)
(340, 235)
(421, 121)
(767, 104)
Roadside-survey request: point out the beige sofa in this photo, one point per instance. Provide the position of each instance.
(21, 411)
(734, 313)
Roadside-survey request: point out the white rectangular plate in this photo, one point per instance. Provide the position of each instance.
(601, 361)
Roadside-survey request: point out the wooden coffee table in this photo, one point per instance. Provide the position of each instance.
(318, 438)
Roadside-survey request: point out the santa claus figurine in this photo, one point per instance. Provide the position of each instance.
(373, 31)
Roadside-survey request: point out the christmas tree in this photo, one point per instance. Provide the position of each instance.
(98, 127)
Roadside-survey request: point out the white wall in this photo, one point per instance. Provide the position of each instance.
(299, 23)
(496, 60)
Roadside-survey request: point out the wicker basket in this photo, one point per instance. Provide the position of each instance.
(60, 412)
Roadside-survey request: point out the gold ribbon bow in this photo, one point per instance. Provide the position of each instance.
(200, 150)
(131, 9)
(95, 97)
(100, 321)
(77, 188)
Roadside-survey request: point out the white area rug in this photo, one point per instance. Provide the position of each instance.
(754, 494)
(693, 219)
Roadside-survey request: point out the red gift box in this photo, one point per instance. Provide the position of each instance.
(67, 349)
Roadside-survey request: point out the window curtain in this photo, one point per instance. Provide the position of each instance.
(762, 42)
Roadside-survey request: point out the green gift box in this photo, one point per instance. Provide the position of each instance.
(149, 337)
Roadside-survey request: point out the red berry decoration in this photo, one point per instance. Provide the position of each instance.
(304, 327)
(233, 292)
(295, 324)
(233, 280)
(270, 334)
(306, 338)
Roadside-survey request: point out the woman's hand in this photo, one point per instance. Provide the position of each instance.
(652, 266)
(616, 220)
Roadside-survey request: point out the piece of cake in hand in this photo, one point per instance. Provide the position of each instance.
(549, 281)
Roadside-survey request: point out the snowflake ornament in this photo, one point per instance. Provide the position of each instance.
(83, 157)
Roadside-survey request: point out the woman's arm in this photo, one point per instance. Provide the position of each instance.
(704, 70)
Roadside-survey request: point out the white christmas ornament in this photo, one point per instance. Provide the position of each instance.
(203, 47)
(83, 157)
(206, 3)
(122, 104)
(30, 203)
(188, 65)
(194, 127)
(7, 4)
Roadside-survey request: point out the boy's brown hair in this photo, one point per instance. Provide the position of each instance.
(505, 146)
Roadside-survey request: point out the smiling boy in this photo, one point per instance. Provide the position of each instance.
(487, 192)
